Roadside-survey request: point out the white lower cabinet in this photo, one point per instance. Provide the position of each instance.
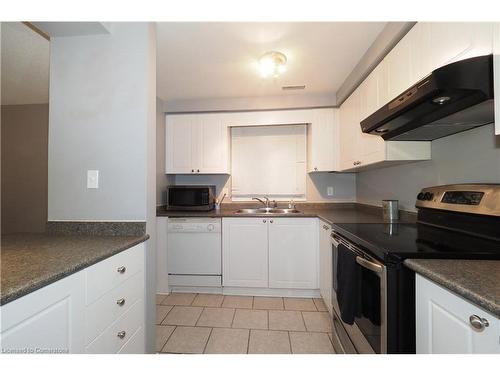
(97, 310)
(270, 253)
(49, 320)
(244, 252)
(293, 253)
(325, 264)
(445, 323)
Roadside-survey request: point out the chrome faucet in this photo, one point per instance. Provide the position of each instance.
(265, 203)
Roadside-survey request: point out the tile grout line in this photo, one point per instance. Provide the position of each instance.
(161, 350)
(208, 339)
(289, 342)
(199, 316)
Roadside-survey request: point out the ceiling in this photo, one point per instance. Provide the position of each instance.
(218, 60)
(25, 65)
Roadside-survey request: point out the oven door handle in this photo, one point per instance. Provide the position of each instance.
(369, 265)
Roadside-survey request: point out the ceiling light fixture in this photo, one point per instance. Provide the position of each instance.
(272, 64)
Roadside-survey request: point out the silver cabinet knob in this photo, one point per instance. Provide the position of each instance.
(271, 221)
(121, 269)
(263, 221)
(121, 334)
(120, 302)
(325, 227)
(478, 322)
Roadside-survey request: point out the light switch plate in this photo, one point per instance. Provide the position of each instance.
(329, 191)
(92, 179)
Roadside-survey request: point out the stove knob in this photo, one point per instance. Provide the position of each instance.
(428, 196)
(420, 196)
(210, 227)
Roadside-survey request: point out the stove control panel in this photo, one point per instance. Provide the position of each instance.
(483, 199)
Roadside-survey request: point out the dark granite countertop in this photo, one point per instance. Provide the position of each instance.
(332, 213)
(476, 280)
(31, 261)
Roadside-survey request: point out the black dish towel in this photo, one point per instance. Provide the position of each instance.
(348, 284)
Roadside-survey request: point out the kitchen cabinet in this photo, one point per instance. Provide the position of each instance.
(496, 73)
(325, 264)
(270, 253)
(444, 323)
(245, 252)
(47, 320)
(322, 138)
(197, 144)
(360, 151)
(293, 255)
(97, 310)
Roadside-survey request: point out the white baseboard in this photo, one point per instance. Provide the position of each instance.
(259, 292)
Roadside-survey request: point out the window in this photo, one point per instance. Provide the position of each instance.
(269, 160)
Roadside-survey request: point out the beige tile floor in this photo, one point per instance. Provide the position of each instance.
(207, 323)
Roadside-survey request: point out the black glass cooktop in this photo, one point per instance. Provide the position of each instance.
(395, 242)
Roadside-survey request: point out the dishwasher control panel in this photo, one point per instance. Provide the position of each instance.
(194, 225)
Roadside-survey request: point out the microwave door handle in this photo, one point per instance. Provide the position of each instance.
(377, 268)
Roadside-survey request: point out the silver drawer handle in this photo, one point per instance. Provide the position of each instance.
(121, 334)
(121, 269)
(121, 302)
(478, 323)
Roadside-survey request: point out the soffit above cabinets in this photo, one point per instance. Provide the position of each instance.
(218, 60)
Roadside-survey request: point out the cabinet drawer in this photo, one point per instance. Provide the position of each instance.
(105, 275)
(135, 345)
(129, 323)
(104, 311)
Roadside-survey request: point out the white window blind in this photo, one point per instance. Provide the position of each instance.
(269, 160)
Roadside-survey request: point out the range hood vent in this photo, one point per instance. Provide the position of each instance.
(452, 99)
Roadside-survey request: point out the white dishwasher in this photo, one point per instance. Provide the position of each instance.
(194, 248)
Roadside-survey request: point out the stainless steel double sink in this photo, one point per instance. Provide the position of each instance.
(267, 211)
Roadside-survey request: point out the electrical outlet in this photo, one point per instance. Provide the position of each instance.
(329, 191)
(92, 179)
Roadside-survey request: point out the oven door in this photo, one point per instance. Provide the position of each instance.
(368, 333)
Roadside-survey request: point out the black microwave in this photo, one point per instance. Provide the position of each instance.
(190, 197)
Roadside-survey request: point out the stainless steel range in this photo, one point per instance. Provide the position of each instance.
(374, 293)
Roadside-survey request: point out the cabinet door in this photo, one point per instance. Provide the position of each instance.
(49, 319)
(179, 143)
(244, 252)
(325, 264)
(442, 323)
(496, 73)
(349, 128)
(212, 145)
(399, 68)
(371, 147)
(293, 253)
(321, 134)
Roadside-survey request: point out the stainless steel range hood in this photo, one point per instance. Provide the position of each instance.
(453, 98)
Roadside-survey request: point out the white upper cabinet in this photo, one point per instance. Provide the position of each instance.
(435, 44)
(427, 46)
(322, 132)
(448, 324)
(197, 144)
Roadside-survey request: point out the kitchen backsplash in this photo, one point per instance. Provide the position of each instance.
(471, 156)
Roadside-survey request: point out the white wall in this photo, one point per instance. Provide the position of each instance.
(102, 116)
(100, 100)
(472, 156)
(344, 185)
